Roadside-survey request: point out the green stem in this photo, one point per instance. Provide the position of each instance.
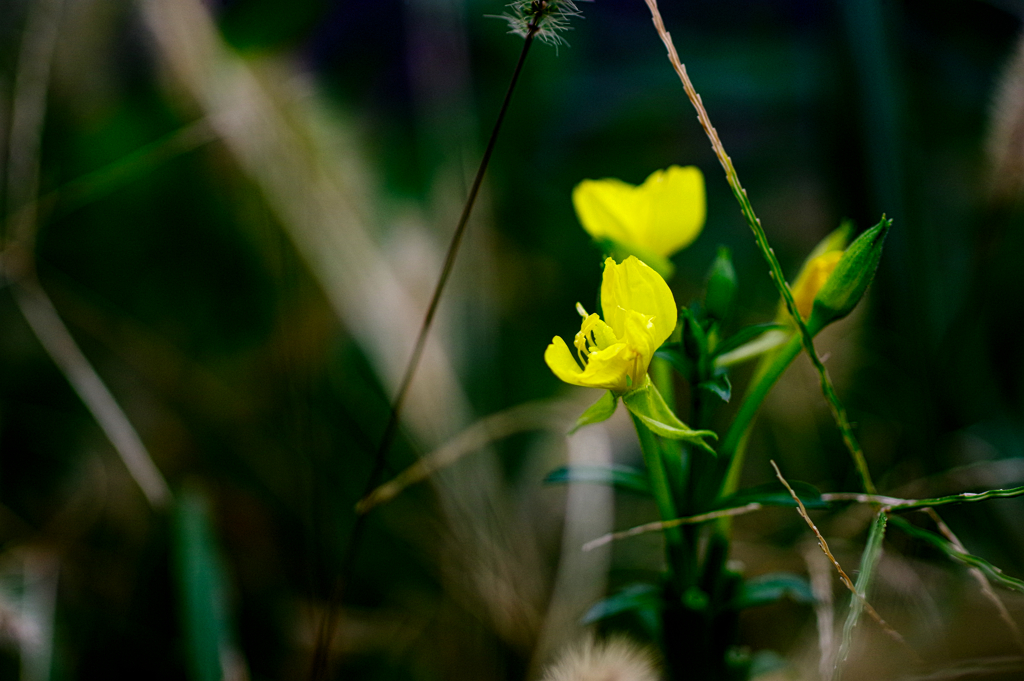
(835, 405)
(676, 545)
(662, 374)
(734, 445)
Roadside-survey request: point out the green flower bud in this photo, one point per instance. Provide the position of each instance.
(721, 287)
(847, 283)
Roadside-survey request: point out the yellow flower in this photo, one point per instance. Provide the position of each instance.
(640, 315)
(660, 217)
(812, 277)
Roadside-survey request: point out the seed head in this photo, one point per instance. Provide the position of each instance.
(545, 19)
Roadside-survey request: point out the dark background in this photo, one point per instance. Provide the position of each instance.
(175, 268)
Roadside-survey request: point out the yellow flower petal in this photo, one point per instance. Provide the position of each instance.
(608, 368)
(635, 286)
(674, 199)
(661, 216)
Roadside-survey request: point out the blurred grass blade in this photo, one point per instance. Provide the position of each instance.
(130, 167)
(57, 340)
(868, 560)
(524, 417)
(950, 549)
(621, 477)
(200, 588)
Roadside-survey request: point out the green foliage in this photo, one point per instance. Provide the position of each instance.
(772, 587)
(201, 588)
(647, 404)
(720, 289)
(621, 477)
(601, 410)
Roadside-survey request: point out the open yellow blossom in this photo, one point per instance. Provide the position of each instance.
(660, 217)
(812, 277)
(639, 315)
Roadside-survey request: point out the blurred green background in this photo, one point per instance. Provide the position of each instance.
(244, 204)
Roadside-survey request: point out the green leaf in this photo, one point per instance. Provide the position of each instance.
(673, 354)
(765, 662)
(766, 342)
(621, 477)
(772, 587)
(721, 285)
(719, 385)
(744, 336)
(695, 340)
(601, 410)
(947, 547)
(774, 494)
(851, 277)
(201, 590)
(633, 597)
(647, 404)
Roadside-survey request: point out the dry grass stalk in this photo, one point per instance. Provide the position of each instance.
(523, 417)
(983, 583)
(29, 110)
(659, 525)
(827, 388)
(843, 577)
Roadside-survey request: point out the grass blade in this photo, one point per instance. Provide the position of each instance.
(200, 588)
(960, 556)
(868, 560)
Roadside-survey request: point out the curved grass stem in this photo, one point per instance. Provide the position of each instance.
(321, 656)
(827, 388)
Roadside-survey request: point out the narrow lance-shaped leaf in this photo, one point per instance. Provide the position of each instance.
(200, 588)
(947, 547)
(632, 597)
(718, 386)
(774, 494)
(647, 404)
(746, 335)
(772, 587)
(626, 478)
(601, 410)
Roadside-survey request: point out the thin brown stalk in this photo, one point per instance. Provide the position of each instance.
(660, 525)
(981, 579)
(843, 577)
(827, 388)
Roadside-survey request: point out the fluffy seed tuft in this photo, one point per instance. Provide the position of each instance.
(546, 19)
(614, 659)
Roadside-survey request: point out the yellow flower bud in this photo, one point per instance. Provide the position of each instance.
(811, 278)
